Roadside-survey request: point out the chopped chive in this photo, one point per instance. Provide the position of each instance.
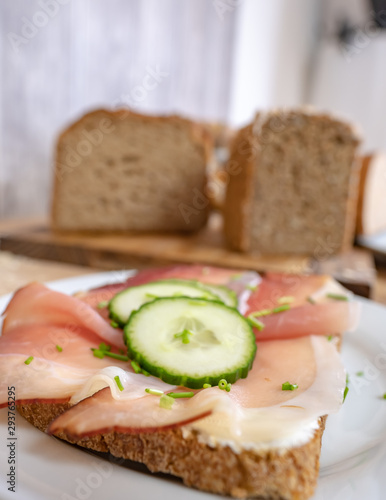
(151, 296)
(166, 401)
(102, 304)
(311, 300)
(206, 386)
(114, 324)
(116, 356)
(155, 392)
(119, 383)
(58, 348)
(135, 366)
(255, 323)
(384, 396)
(262, 312)
(228, 387)
(222, 384)
(346, 389)
(360, 374)
(177, 395)
(253, 288)
(99, 353)
(144, 372)
(289, 387)
(184, 336)
(266, 312)
(104, 347)
(336, 296)
(329, 338)
(286, 300)
(28, 360)
(280, 309)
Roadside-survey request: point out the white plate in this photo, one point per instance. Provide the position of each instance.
(353, 462)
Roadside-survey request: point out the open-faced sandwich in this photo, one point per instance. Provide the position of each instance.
(222, 378)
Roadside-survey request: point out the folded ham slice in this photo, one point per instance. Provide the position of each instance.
(36, 321)
(36, 304)
(310, 311)
(312, 363)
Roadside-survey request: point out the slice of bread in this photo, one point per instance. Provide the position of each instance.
(371, 216)
(122, 171)
(294, 185)
(289, 474)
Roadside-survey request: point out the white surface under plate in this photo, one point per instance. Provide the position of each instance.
(353, 462)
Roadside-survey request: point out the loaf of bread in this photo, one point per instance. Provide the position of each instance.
(293, 185)
(122, 171)
(371, 216)
(289, 474)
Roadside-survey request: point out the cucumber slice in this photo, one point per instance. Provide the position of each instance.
(190, 341)
(129, 300)
(226, 295)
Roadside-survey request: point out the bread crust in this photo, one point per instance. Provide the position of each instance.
(288, 474)
(366, 160)
(239, 191)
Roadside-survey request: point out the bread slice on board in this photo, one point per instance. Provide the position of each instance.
(122, 171)
(371, 216)
(289, 474)
(293, 186)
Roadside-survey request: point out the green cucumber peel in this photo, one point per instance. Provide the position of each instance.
(176, 376)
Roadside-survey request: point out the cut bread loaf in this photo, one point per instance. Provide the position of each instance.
(289, 474)
(371, 216)
(293, 187)
(122, 171)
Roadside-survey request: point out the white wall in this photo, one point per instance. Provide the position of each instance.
(89, 53)
(274, 44)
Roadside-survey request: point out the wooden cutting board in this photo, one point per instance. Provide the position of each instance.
(34, 238)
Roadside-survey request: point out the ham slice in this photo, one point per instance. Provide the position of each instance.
(36, 304)
(36, 321)
(329, 318)
(323, 316)
(277, 285)
(311, 362)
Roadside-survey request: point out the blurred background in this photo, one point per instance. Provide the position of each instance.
(213, 60)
